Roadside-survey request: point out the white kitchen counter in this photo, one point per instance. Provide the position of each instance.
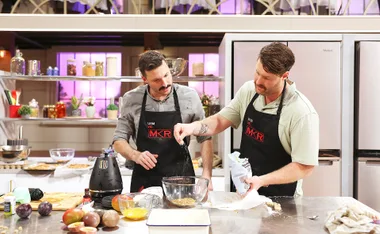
(58, 181)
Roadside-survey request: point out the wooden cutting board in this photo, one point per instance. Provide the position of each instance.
(60, 201)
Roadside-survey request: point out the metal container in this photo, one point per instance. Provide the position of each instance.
(105, 178)
(34, 67)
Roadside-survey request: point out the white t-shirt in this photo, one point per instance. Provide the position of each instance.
(298, 126)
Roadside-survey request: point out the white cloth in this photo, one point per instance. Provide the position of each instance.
(351, 219)
(233, 201)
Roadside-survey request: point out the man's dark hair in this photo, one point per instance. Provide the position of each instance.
(276, 58)
(150, 60)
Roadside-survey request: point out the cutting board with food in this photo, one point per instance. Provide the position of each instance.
(60, 201)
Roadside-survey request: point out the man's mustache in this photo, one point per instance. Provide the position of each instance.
(164, 87)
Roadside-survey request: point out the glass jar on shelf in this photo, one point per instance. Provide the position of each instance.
(88, 69)
(99, 69)
(34, 108)
(52, 112)
(18, 64)
(60, 109)
(71, 67)
(45, 111)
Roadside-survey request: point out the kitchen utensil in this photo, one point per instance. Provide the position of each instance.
(176, 66)
(8, 97)
(11, 154)
(185, 191)
(13, 96)
(105, 178)
(314, 217)
(62, 155)
(61, 201)
(18, 93)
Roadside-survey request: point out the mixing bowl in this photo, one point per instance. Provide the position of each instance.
(185, 191)
(62, 155)
(176, 66)
(137, 206)
(14, 153)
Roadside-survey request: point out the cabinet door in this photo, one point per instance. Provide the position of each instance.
(369, 89)
(324, 181)
(317, 75)
(244, 67)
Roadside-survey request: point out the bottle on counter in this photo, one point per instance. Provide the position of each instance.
(86, 197)
(9, 205)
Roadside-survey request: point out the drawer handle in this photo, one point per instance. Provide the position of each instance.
(374, 162)
(325, 162)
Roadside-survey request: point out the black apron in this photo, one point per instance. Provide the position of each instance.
(155, 134)
(261, 144)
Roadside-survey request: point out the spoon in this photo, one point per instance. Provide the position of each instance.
(314, 217)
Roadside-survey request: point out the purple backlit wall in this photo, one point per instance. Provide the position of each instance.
(102, 90)
(211, 66)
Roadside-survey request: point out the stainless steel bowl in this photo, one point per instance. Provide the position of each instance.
(14, 153)
(176, 66)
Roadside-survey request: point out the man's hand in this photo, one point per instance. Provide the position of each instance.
(210, 186)
(255, 183)
(181, 131)
(145, 159)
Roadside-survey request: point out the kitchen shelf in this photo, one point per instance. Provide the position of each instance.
(64, 122)
(105, 78)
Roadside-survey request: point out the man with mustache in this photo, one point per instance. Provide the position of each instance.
(280, 134)
(148, 116)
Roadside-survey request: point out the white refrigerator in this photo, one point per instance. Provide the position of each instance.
(317, 75)
(367, 123)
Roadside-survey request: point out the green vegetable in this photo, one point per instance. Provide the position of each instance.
(36, 194)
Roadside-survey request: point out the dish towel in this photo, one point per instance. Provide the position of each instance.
(233, 201)
(351, 219)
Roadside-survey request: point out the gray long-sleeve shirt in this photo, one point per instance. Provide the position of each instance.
(128, 124)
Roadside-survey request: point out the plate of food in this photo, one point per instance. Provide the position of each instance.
(79, 168)
(40, 167)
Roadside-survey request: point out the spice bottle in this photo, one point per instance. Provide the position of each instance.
(86, 197)
(9, 205)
